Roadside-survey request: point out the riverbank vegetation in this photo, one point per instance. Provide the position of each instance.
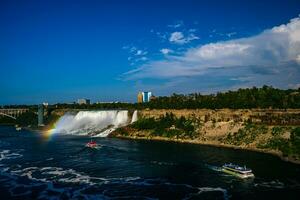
(288, 146)
(246, 135)
(168, 126)
(283, 139)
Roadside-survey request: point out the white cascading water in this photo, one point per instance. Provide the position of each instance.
(94, 123)
(134, 117)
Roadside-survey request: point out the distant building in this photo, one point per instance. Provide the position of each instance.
(152, 98)
(140, 97)
(144, 97)
(46, 104)
(40, 115)
(84, 101)
(104, 102)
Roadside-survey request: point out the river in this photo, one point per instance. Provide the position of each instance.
(60, 167)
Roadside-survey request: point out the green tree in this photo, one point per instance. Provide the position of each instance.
(27, 118)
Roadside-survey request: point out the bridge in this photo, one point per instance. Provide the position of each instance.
(12, 112)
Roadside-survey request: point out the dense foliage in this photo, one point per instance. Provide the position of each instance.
(265, 97)
(288, 146)
(167, 126)
(27, 118)
(246, 135)
(295, 141)
(7, 120)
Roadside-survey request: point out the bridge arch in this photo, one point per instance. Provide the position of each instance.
(7, 115)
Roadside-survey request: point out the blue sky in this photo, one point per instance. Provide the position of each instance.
(59, 51)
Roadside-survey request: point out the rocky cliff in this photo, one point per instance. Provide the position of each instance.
(272, 131)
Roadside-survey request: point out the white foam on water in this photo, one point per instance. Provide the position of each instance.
(214, 168)
(270, 184)
(7, 154)
(74, 183)
(77, 183)
(207, 189)
(93, 123)
(162, 163)
(211, 189)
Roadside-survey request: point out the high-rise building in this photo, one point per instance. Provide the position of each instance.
(140, 97)
(83, 101)
(144, 97)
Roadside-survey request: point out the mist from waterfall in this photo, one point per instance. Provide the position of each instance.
(94, 123)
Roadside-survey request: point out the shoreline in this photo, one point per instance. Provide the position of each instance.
(187, 141)
(212, 144)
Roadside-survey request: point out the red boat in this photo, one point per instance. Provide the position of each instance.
(92, 144)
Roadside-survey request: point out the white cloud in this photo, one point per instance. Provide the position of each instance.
(163, 36)
(133, 49)
(144, 58)
(176, 37)
(176, 24)
(294, 86)
(179, 38)
(218, 50)
(271, 57)
(231, 34)
(125, 47)
(139, 52)
(298, 59)
(136, 55)
(166, 51)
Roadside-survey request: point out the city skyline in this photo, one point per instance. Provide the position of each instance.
(60, 51)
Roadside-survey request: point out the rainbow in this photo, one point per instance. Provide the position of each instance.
(50, 131)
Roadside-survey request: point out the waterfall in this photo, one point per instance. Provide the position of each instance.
(134, 117)
(93, 123)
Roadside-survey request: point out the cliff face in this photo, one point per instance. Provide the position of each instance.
(258, 116)
(264, 130)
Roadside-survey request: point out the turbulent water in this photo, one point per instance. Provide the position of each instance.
(62, 168)
(94, 123)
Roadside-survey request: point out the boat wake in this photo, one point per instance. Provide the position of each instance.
(270, 184)
(214, 168)
(57, 182)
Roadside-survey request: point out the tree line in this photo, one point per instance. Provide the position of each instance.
(264, 97)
